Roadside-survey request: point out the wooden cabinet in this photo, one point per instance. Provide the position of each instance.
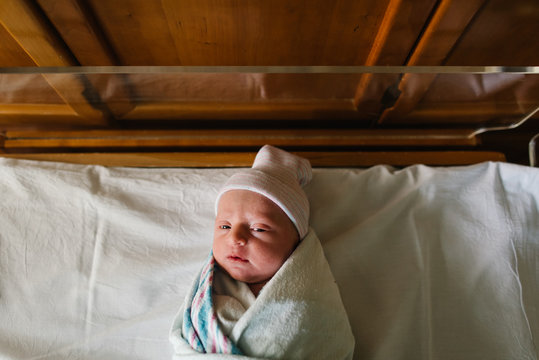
(42, 33)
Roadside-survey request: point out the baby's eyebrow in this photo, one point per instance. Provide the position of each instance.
(261, 216)
(273, 215)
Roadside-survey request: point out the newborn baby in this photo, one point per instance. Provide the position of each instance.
(253, 237)
(266, 290)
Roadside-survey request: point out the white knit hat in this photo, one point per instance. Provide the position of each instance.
(279, 176)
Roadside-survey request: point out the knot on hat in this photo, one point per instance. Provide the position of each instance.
(280, 163)
(279, 176)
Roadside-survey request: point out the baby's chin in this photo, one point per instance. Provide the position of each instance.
(244, 276)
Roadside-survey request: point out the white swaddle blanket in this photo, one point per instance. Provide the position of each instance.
(298, 314)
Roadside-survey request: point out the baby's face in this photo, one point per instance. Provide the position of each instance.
(253, 236)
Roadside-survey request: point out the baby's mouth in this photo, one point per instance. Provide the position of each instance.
(236, 258)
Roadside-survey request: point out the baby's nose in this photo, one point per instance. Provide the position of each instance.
(239, 236)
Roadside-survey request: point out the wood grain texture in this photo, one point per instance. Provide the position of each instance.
(30, 29)
(397, 34)
(503, 33)
(137, 31)
(72, 89)
(227, 32)
(317, 159)
(265, 32)
(292, 110)
(365, 88)
(11, 54)
(449, 21)
(22, 110)
(76, 25)
(236, 138)
(474, 100)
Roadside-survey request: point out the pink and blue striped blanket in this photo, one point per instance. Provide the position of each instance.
(200, 325)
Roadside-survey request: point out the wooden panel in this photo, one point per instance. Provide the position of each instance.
(366, 93)
(226, 32)
(404, 26)
(442, 32)
(43, 140)
(400, 28)
(503, 33)
(26, 24)
(278, 32)
(223, 159)
(30, 30)
(38, 116)
(241, 87)
(464, 99)
(137, 30)
(27, 89)
(458, 34)
(29, 100)
(11, 54)
(241, 96)
(271, 110)
(476, 114)
(448, 22)
(76, 24)
(483, 100)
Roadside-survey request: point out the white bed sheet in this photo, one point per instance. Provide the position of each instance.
(432, 263)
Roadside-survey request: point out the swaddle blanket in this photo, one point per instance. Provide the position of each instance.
(200, 325)
(298, 314)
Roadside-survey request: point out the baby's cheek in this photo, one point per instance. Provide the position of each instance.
(273, 262)
(217, 251)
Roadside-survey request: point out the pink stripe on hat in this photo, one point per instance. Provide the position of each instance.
(279, 176)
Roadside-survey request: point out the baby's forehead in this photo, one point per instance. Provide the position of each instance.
(248, 202)
(246, 197)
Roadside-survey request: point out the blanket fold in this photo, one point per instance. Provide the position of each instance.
(200, 325)
(298, 315)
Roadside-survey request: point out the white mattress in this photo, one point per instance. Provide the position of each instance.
(432, 263)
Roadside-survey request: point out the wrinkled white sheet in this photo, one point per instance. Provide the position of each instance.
(432, 263)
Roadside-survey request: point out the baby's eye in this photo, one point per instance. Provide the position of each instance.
(224, 227)
(259, 230)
